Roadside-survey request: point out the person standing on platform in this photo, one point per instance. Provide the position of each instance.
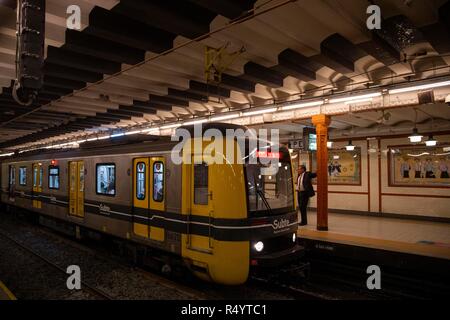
(305, 191)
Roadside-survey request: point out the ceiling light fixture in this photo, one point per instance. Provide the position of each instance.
(117, 135)
(225, 117)
(415, 137)
(6, 154)
(132, 132)
(194, 122)
(350, 146)
(356, 98)
(171, 126)
(156, 129)
(359, 101)
(420, 87)
(431, 142)
(302, 105)
(261, 111)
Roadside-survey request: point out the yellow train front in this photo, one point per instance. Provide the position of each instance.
(218, 218)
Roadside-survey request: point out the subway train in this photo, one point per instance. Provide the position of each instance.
(221, 221)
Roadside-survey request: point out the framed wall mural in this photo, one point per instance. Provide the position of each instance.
(344, 167)
(412, 166)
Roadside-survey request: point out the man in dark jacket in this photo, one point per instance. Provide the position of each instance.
(305, 191)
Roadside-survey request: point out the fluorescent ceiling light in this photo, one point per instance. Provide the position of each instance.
(329, 144)
(170, 126)
(132, 132)
(359, 101)
(150, 130)
(92, 139)
(225, 117)
(104, 137)
(117, 135)
(261, 111)
(81, 141)
(421, 87)
(188, 123)
(356, 98)
(6, 154)
(302, 105)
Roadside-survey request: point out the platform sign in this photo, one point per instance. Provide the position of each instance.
(310, 139)
(296, 144)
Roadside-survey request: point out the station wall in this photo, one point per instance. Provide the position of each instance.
(375, 196)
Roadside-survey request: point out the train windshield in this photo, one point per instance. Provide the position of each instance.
(269, 187)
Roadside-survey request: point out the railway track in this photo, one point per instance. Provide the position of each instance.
(94, 258)
(297, 292)
(92, 290)
(192, 289)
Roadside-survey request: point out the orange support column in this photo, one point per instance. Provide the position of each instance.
(321, 122)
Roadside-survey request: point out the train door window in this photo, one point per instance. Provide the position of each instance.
(81, 175)
(12, 175)
(53, 177)
(201, 184)
(41, 174)
(140, 180)
(35, 175)
(106, 179)
(12, 180)
(158, 181)
(23, 176)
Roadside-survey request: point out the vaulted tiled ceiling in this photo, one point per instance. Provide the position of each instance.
(112, 74)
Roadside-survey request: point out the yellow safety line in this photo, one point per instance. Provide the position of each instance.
(6, 290)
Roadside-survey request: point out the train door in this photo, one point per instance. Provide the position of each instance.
(141, 202)
(149, 196)
(12, 183)
(37, 184)
(201, 201)
(76, 188)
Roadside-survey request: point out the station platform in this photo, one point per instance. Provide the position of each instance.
(399, 243)
(416, 237)
(5, 294)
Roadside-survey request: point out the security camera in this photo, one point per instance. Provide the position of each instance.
(447, 100)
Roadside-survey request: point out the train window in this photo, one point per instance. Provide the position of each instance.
(106, 179)
(201, 184)
(23, 176)
(140, 180)
(158, 181)
(53, 177)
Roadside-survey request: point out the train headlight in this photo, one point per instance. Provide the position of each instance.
(259, 246)
(294, 237)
